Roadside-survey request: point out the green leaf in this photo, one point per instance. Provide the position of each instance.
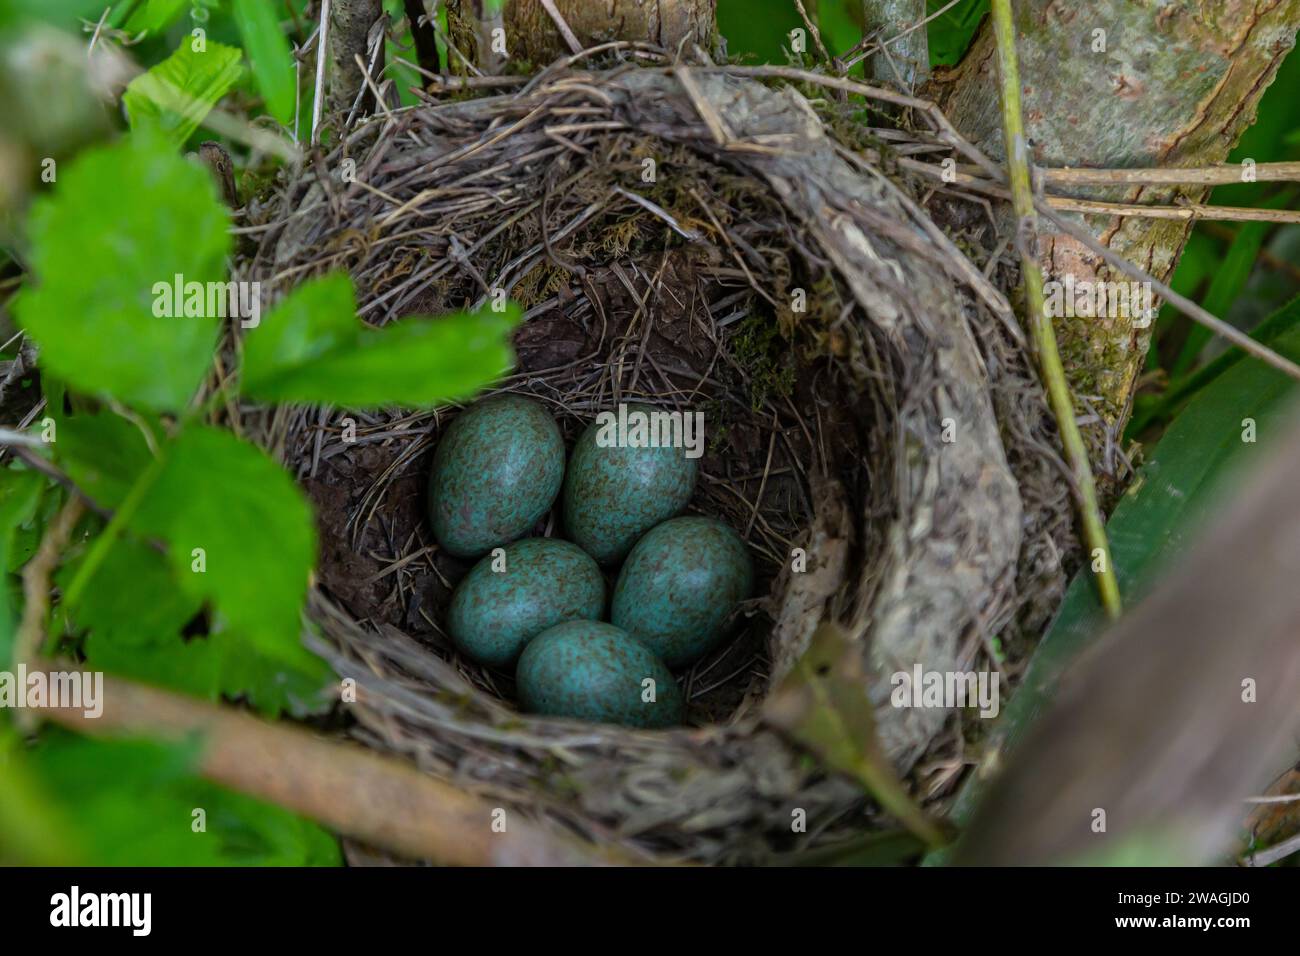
(823, 705)
(1169, 501)
(133, 803)
(103, 454)
(122, 220)
(176, 94)
(20, 491)
(133, 599)
(135, 611)
(312, 348)
(1231, 272)
(156, 15)
(64, 13)
(239, 534)
(268, 51)
(216, 666)
(136, 602)
(950, 34)
(32, 831)
(1163, 406)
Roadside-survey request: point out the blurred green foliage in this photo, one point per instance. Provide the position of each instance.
(759, 30)
(1241, 272)
(198, 580)
(268, 52)
(72, 801)
(175, 95)
(96, 252)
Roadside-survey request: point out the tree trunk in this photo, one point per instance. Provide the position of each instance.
(349, 27)
(532, 35)
(1119, 83)
(906, 62)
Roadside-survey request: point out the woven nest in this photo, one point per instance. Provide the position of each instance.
(863, 402)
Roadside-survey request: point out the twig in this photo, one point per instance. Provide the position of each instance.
(10, 437)
(1279, 798)
(1044, 336)
(716, 124)
(562, 25)
(1184, 305)
(1192, 211)
(426, 41)
(322, 53)
(812, 29)
(471, 82)
(382, 802)
(1274, 853)
(36, 586)
(1196, 175)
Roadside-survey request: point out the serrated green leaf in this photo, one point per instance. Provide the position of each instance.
(135, 610)
(123, 219)
(239, 534)
(312, 348)
(175, 95)
(268, 52)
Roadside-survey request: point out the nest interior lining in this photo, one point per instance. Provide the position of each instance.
(682, 337)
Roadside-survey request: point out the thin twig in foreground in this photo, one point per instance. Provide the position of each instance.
(563, 26)
(322, 51)
(1223, 175)
(1040, 327)
(36, 589)
(1182, 303)
(379, 800)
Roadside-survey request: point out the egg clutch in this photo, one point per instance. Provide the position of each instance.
(539, 604)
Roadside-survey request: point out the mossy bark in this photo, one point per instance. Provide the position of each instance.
(1118, 83)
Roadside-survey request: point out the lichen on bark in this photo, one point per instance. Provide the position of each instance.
(1118, 83)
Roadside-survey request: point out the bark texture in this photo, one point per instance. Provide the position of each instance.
(906, 62)
(1118, 83)
(533, 36)
(349, 27)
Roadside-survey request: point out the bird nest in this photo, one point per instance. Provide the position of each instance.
(700, 241)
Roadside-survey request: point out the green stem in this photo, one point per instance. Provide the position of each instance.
(1040, 327)
(99, 550)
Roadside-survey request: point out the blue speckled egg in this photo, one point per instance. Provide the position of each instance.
(593, 671)
(614, 494)
(496, 471)
(680, 585)
(537, 583)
